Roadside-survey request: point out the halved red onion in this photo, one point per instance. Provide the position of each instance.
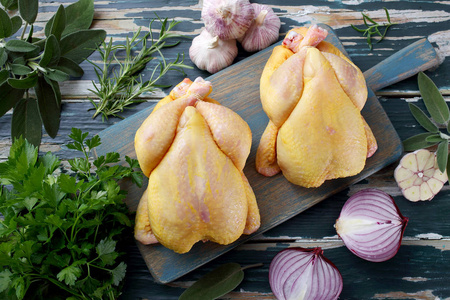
(299, 273)
(371, 225)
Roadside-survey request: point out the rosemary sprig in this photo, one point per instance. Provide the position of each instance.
(373, 28)
(119, 82)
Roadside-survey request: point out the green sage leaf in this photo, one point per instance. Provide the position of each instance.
(5, 24)
(51, 52)
(28, 10)
(57, 23)
(26, 121)
(9, 4)
(4, 75)
(435, 138)
(20, 70)
(3, 57)
(78, 45)
(435, 103)
(79, 16)
(422, 118)
(448, 165)
(25, 83)
(442, 155)
(9, 96)
(417, 142)
(20, 46)
(16, 22)
(70, 67)
(57, 75)
(216, 283)
(49, 106)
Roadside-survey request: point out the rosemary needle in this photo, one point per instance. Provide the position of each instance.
(121, 86)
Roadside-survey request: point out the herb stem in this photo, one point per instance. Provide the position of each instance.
(23, 31)
(252, 266)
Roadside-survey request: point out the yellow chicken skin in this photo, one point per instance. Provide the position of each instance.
(197, 189)
(313, 96)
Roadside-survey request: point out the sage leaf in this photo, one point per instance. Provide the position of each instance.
(18, 69)
(435, 103)
(51, 52)
(56, 24)
(5, 24)
(26, 121)
(70, 67)
(417, 142)
(8, 97)
(49, 106)
(57, 75)
(215, 284)
(78, 45)
(435, 138)
(79, 16)
(25, 83)
(422, 118)
(16, 22)
(9, 4)
(448, 166)
(3, 57)
(4, 75)
(28, 10)
(20, 46)
(442, 155)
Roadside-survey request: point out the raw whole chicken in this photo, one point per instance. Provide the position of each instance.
(313, 96)
(194, 150)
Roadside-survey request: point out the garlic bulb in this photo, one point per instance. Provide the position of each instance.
(264, 30)
(228, 19)
(212, 54)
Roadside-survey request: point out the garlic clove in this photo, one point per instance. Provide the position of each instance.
(228, 19)
(264, 30)
(212, 54)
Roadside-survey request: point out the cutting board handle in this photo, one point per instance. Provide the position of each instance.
(418, 56)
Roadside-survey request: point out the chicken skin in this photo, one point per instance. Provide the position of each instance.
(313, 96)
(194, 150)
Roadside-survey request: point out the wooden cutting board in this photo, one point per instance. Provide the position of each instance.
(237, 87)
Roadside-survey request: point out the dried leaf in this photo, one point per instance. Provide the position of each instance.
(422, 118)
(435, 103)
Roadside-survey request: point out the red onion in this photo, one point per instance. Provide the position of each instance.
(299, 273)
(371, 225)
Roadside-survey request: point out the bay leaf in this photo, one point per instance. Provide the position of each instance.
(16, 22)
(435, 103)
(49, 106)
(422, 118)
(70, 67)
(8, 97)
(24, 83)
(56, 24)
(215, 284)
(51, 53)
(417, 142)
(78, 45)
(20, 46)
(28, 10)
(26, 121)
(442, 155)
(5, 24)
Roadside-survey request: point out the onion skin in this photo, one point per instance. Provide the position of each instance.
(299, 273)
(371, 225)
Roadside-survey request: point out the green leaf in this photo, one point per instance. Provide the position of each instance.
(122, 218)
(9, 4)
(215, 284)
(8, 97)
(118, 273)
(423, 120)
(417, 142)
(20, 70)
(20, 46)
(69, 274)
(435, 103)
(4, 75)
(77, 135)
(56, 24)
(442, 155)
(78, 45)
(28, 10)
(16, 22)
(5, 24)
(25, 83)
(51, 52)
(67, 184)
(50, 162)
(70, 67)
(5, 279)
(26, 121)
(3, 57)
(105, 246)
(79, 16)
(49, 106)
(435, 138)
(57, 75)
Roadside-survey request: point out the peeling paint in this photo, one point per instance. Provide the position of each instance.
(425, 295)
(429, 236)
(415, 279)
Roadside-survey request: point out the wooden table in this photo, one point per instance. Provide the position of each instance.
(420, 270)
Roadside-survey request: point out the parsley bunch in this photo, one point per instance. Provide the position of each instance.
(59, 232)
